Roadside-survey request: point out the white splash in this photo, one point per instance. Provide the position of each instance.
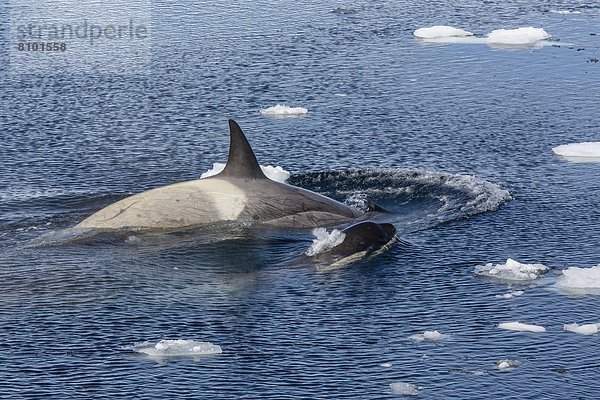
(519, 36)
(521, 327)
(581, 279)
(427, 335)
(438, 31)
(274, 173)
(176, 348)
(586, 329)
(579, 150)
(386, 365)
(281, 110)
(324, 241)
(511, 271)
(405, 389)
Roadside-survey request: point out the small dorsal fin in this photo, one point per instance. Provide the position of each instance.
(241, 162)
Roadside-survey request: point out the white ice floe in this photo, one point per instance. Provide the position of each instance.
(427, 335)
(580, 280)
(510, 295)
(521, 327)
(519, 36)
(324, 241)
(511, 271)
(440, 31)
(281, 110)
(586, 329)
(405, 389)
(566, 12)
(584, 151)
(274, 173)
(176, 348)
(506, 364)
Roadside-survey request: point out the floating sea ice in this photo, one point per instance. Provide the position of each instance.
(274, 173)
(324, 241)
(519, 36)
(587, 329)
(510, 295)
(504, 365)
(521, 327)
(427, 335)
(583, 150)
(440, 31)
(405, 389)
(511, 271)
(176, 348)
(281, 110)
(565, 12)
(581, 279)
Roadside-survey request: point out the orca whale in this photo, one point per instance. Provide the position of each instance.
(360, 240)
(241, 192)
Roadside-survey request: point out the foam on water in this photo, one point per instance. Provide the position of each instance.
(404, 389)
(324, 241)
(521, 327)
(586, 329)
(281, 110)
(427, 335)
(176, 348)
(511, 271)
(519, 36)
(440, 31)
(274, 173)
(582, 280)
(584, 151)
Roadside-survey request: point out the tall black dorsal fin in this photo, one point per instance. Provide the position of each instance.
(241, 162)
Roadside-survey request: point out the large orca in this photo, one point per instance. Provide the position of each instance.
(241, 192)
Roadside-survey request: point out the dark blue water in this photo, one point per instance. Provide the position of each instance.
(454, 139)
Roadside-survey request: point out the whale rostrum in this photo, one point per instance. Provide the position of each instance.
(241, 192)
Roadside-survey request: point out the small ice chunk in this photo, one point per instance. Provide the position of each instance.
(566, 12)
(405, 389)
(580, 278)
(440, 31)
(587, 329)
(281, 110)
(505, 364)
(510, 295)
(583, 150)
(176, 348)
(427, 335)
(519, 36)
(521, 327)
(511, 271)
(277, 174)
(324, 241)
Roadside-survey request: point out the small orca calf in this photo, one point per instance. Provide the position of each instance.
(360, 240)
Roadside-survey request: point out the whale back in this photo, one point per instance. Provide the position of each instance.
(241, 162)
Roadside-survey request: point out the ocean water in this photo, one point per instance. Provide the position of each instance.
(454, 139)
